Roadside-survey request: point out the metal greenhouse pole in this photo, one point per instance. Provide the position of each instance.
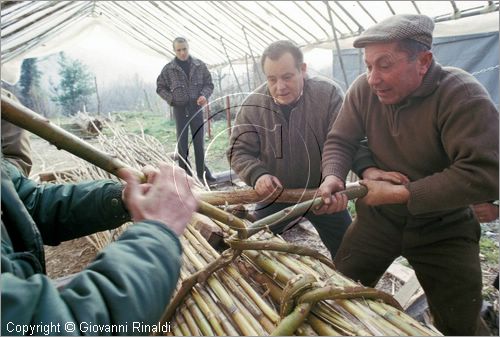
(255, 65)
(231, 64)
(337, 46)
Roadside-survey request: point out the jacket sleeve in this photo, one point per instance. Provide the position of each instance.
(344, 137)
(162, 87)
(244, 149)
(132, 280)
(208, 85)
(67, 211)
(16, 146)
(363, 158)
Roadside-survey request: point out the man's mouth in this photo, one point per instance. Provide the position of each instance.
(381, 92)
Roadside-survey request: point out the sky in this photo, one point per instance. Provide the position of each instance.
(113, 56)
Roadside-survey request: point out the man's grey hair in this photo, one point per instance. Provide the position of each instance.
(276, 49)
(411, 47)
(179, 39)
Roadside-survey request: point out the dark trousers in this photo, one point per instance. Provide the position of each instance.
(330, 227)
(190, 117)
(443, 251)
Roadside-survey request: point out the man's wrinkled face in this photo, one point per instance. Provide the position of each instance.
(391, 74)
(284, 80)
(181, 50)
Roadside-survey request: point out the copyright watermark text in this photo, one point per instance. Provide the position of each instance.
(86, 327)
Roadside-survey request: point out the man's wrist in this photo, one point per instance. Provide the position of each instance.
(402, 193)
(367, 170)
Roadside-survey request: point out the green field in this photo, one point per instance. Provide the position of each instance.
(163, 129)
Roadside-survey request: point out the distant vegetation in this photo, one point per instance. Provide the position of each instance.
(163, 129)
(57, 85)
(75, 87)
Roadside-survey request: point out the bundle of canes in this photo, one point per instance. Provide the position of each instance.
(221, 294)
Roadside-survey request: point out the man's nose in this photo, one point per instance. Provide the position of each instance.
(373, 77)
(280, 84)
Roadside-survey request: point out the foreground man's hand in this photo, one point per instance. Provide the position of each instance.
(373, 173)
(384, 193)
(165, 197)
(486, 212)
(267, 185)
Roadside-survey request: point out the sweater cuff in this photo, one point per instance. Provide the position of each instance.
(260, 171)
(361, 164)
(335, 170)
(417, 201)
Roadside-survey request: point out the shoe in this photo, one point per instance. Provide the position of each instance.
(208, 176)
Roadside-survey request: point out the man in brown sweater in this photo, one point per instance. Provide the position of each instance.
(279, 132)
(433, 135)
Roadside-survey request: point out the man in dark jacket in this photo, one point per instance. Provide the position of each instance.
(130, 282)
(186, 84)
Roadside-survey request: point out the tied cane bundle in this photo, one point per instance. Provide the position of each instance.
(260, 285)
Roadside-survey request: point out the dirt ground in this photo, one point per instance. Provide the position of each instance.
(72, 256)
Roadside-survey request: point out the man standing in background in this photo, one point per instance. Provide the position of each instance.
(186, 84)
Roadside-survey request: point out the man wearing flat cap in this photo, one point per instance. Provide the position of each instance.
(433, 136)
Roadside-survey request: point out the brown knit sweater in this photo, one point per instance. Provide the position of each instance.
(264, 141)
(444, 137)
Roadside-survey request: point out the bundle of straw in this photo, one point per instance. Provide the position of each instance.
(260, 285)
(264, 292)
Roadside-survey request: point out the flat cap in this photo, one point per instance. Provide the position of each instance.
(398, 27)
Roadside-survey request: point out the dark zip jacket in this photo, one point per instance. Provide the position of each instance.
(130, 281)
(178, 89)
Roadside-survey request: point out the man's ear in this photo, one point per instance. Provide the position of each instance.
(303, 68)
(425, 61)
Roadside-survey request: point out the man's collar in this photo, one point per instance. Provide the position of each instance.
(430, 81)
(179, 60)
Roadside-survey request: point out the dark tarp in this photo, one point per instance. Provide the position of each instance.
(475, 53)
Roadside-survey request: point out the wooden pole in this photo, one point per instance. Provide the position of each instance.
(27, 119)
(287, 196)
